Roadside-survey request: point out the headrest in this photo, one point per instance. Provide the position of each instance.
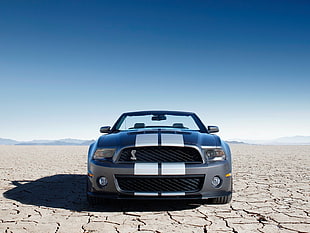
(139, 125)
(178, 125)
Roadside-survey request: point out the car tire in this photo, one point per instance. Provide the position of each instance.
(220, 200)
(223, 199)
(91, 199)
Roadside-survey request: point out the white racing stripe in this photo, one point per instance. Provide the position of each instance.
(166, 140)
(146, 140)
(145, 194)
(173, 168)
(172, 140)
(146, 169)
(173, 194)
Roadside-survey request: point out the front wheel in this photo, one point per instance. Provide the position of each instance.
(220, 200)
(223, 199)
(91, 199)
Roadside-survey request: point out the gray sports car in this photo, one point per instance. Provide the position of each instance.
(159, 155)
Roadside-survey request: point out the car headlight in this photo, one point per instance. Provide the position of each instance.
(216, 154)
(103, 153)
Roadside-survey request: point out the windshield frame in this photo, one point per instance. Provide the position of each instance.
(196, 119)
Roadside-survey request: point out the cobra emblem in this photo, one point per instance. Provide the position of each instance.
(133, 155)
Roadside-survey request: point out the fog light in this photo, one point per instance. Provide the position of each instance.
(103, 181)
(216, 181)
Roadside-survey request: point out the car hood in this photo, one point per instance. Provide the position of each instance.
(158, 138)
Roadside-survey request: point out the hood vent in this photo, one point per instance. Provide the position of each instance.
(158, 131)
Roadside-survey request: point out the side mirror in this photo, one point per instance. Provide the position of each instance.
(105, 129)
(213, 129)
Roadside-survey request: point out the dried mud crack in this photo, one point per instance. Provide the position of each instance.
(43, 190)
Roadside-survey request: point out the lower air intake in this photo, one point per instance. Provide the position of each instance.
(160, 184)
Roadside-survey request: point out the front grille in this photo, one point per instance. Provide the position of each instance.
(160, 184)
(160, 154)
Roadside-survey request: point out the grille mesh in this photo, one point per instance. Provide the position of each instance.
(160, 184)
(160, 154)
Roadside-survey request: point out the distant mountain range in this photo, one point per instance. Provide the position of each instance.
(295, 140)
(60, 142)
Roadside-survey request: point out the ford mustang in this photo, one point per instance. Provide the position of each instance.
(159, 155)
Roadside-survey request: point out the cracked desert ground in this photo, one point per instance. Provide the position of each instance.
(43, 190)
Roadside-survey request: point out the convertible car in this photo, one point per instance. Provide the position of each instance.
(159, 155)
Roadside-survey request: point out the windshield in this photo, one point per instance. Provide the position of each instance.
(158, 121)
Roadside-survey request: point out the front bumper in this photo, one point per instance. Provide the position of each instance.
(112, 171)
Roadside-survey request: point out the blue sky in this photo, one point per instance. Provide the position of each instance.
(69, 67)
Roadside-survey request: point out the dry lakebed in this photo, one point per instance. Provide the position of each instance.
(43, 190)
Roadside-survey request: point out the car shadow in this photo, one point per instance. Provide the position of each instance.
(67, 191)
